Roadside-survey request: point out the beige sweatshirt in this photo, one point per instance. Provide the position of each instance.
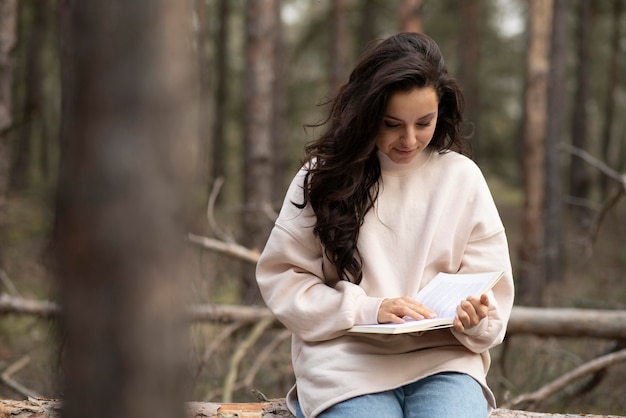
(434, 214)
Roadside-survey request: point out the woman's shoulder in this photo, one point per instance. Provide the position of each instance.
(454, 160)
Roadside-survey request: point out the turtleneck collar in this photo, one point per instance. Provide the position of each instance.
(388, 167)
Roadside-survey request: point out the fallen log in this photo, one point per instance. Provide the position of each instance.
(547, 322)
(273, 408)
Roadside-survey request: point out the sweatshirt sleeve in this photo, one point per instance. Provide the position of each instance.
(487, 250)
(290, 275)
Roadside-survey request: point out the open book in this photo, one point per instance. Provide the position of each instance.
(442, 295)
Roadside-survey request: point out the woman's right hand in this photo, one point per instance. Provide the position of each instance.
(395, 309)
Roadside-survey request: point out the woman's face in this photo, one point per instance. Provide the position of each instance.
(408, 124)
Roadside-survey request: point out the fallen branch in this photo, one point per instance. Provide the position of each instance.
(611, 201)
(554, 322)
(20, 306)
(229, 248)
(238, 355)
(535, 398)
(273, 408)
(7, 378)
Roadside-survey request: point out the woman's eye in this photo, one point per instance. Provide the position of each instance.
(424, 124)
(391, 124)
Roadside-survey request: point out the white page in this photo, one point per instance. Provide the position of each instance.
(444, 293)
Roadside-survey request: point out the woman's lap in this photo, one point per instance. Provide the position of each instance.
(444, 395)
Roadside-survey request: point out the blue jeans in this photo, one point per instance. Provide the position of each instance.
(444, 395)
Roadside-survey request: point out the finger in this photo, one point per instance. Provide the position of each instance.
(468, 314)
(458, 325)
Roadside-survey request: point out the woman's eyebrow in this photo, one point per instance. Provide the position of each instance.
(426, 116)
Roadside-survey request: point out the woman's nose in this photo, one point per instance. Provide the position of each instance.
(409, 136)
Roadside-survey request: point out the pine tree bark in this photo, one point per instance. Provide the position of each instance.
(580, 181)
(610, 147)
(121, 207)
(411, 16)
(257, 214)
(8, 40)
(338, 46)
(557, 95)
(469, 15)
(531, 274)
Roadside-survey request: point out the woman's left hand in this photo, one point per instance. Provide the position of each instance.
(470, 312)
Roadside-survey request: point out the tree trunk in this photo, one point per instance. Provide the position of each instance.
(580, 181)
(218, 161)
(531, 276)
(205, 111)
(338, 46)
(610, 145)
(557, 96)
(469, 15)
(411, 16)
(368, 28)
(32, 36)
(279, 117)
(8, 37)
(257, 214)
(120, 215)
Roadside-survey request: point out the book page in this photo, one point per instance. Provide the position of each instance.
(444, 293)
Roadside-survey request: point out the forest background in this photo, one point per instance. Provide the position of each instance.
(545, 89)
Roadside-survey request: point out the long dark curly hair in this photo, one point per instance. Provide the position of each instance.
(342, 181)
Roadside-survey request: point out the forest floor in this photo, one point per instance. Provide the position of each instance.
(595, 277)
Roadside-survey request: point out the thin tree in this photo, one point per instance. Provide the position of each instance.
(410, 14)
(218, 140)
(257, 215)
(32, 122)
(557, 96)
(579, 176)
(279, 117)
(338, 45)
(469, 15)
(610, 146)
(368, 28)
(8, 35)
(121, 214)
(531, 275)
(203, 38)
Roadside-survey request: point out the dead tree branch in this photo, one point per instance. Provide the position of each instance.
(229, 248)
(238, 355)
(215, 190)
(531, 400)
(20, 306)
(7, 378)
(611, 201)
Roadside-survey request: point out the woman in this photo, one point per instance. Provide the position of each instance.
(385, 200)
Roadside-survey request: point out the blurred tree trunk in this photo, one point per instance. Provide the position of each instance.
(338, 46)
(129, 134)
(368, 29)
(257, 215)
(610, 145)
(469, 15)
(557, 96)
(531, 275)
(32, 37)
(218, 161)
(8, 37)
(279, 117)
(411, 16)
(203, 37)
(580, 178)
